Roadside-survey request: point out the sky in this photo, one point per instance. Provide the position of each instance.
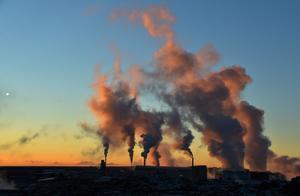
(49, 51)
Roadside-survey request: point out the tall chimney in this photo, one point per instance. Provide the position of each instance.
(192, 161)
(144, 162)
(102, 167)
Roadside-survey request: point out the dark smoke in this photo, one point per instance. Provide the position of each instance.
(205, 101)
(156, 156)
(151, 125)
(223, 136)
(186, 142)
(183, 137)
(148, 142)
(130, 136)
(194, 97)
(90, 131)
(91, 152)
(256, 143)
(116, 110)
(105, 142)
(290, 166)
(166, 154)
(24, 140)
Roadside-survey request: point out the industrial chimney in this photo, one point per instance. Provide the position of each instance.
(102, 167)
(192, 161)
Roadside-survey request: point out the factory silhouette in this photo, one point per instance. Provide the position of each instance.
(193, 97)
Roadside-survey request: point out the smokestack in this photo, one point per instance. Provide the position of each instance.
(192, 161)
(144, 161)
(102, 167)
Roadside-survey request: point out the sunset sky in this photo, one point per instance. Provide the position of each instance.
(50, 52)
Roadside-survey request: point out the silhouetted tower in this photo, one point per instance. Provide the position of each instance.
(102, 167)
(192, 161)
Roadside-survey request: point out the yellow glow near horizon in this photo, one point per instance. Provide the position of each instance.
(58, 146)
(57, 150)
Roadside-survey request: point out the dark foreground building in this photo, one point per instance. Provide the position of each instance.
(195, 173)
(137, 180)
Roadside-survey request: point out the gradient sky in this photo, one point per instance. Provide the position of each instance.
(49, 51)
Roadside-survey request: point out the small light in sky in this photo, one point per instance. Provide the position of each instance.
(7, 94)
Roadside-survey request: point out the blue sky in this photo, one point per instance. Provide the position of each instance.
(49, 49)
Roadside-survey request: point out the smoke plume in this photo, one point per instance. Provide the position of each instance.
(24, 140)
(166, 155)
(129, 136)
(290, 166)
(91, 152)
(256, 143)
(183, 137)
(151, 126)
(195, 98)
(90, 131)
